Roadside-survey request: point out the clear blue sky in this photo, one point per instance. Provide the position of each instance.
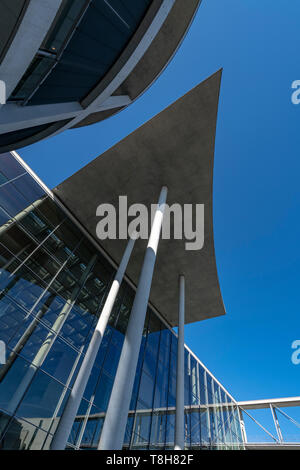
(256, 185)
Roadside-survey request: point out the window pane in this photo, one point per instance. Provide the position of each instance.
(22, 435)
(10, 167)
(41, 400)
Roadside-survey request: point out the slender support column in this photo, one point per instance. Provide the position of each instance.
(85, 422)
(198, 384)
(67, 419)
(179, 424)
(228, 431)
(276, 422)
(114, 427)
(214, 416)
(208, 411)
(221, 415)
(236, 430)
(243, 427)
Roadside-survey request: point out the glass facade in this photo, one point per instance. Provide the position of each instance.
(82, 45)
(53, 283)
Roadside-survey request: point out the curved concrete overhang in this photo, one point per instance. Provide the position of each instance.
(123, 79)
(12, 12)
(155, 59)
(176, 149)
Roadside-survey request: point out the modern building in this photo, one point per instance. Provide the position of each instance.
(89, 357)
(67, 64)
(56, 280)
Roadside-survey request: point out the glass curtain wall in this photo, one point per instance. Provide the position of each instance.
(53, 283)
(85, 41)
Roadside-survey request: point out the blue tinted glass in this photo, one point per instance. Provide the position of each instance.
(14, 321)
(151, 351)
(48, 312)
(10, 167)
(158, 430)
(129, 428)
(195, 429)
(60, 360)
(8, 385)
(146, 392)
(3, 179)
(89, 432)
(170, 430)
(103, 390)
(40, 401)
(112, 357)
(141, 432)
(24, 287)
(202, 385)
(29, 188)
(161, 389)
(4, 217)
(98, 429)
(88, 56)
(11, 200)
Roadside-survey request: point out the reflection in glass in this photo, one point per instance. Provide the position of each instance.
(53, 284)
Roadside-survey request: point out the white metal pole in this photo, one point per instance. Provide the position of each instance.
(276, 422)
(114, 427)
(179, 423)
(208, 411)
(243, 427)
(69, 414)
